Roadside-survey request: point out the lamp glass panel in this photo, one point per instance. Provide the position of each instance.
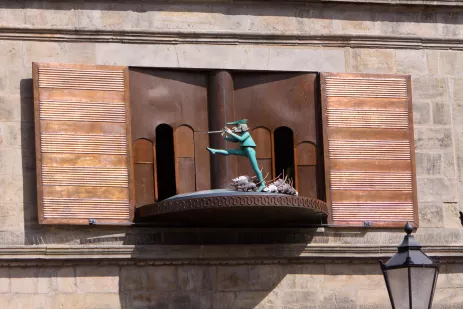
(398, 284)
(422, 282)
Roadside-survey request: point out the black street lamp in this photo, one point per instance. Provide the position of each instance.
(410, 275)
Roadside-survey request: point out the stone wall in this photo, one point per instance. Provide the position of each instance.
(418, 40)
(270, 286)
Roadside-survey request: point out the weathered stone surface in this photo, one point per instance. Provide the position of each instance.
(196, 278)
(337, 298)
(11, 54)
(449, 164)
(437, 189)
(160, 278)
(378, 299)
(66, 280)
(4, 280)
(410, 61)
(430, 89)
(450, 277)
(68, 301)
(264, 277)
(103, 301)
(441, 114)
(149, 300)
(39, 17)
(373, 61)
(428, 163)
(306, 299)
(296, 59)
(130, 278)
(302, 277)
(97, 279)
(448, 298)
(431, 214)
(10, 107)
(81, 53)
(438, 236)
(432, 60)
(12, 16)
(448, 62)
(192, 300)
(23, 301)
(43, 52)
(232, 278)
(421, 113)
(24, 280)
(451, 215)
(338, 276)
(433, 138)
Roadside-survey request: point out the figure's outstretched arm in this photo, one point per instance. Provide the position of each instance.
(231, 139)
(241, 138)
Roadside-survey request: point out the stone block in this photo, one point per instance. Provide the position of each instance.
(458, 98)
(428, 164)
(448, 62)
(43, 52)
(192, 300)
(438, 236)
(10, 162)
(430, 89)
(196, 278)
(159, 278)
(11, 217)
(450, 276)
(88, 18)
(303, 59)
(97, 279)
(451, 216)
(411, 61)
(4, 280)
(68, 301)
(301, 277)
(373, 61)
(25, 301)
(341, 276)
(223, 300)
(66, 281)
(437, 189)
(24, 280)
(149, 300)
(432, 60)
(11, 54)
(449, 164)
(264, 277)
(12, 16)
(433, 138)
(130, 278)
(338, 299)
(421, 113)
(441, 114)
(137, 55)
(51, 17)
(81, 53)
(448, 299)
(378, 299)
(300, 299)
(17, 79)
(431, 214)
(10, 108)
(103, 301)
(232, 278)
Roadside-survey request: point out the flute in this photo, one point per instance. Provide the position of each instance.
(210, 132)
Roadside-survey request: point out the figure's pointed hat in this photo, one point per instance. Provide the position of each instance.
(242, 121)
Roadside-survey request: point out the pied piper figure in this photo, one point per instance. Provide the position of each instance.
(247, 146)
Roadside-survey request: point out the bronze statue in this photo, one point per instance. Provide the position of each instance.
(247, 146)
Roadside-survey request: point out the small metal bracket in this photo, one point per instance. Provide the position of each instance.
(367, 223)
(91, 221)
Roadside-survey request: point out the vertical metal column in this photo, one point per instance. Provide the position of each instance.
(220, 110)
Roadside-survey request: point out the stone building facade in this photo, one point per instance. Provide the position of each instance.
(145, 267)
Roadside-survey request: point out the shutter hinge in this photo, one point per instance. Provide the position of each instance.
(367, 223)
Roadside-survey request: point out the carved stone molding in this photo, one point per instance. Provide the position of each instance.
(230, 38)
(210, 255)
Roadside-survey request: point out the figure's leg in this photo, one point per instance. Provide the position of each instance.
(251, 154)
(223, 152)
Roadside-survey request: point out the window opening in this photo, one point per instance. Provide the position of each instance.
(283, 141)
(165, 161)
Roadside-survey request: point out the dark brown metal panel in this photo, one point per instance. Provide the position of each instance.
(202, 161)
(369, 154)
(143, 172)
(184, 159)
(172, 97)
(276, 99)
(84, 164)
(221, 110)
(306, 169)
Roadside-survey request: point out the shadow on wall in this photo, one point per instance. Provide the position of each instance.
(350, 12)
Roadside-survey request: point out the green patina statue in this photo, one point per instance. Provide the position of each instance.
(247, 146)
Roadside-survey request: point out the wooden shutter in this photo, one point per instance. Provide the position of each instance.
(83, 144)
(184, 159)
(369, 149)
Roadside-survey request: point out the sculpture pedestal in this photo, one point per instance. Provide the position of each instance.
(227, 208)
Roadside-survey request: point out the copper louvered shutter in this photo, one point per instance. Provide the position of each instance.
(82, 144)
(369, 150)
